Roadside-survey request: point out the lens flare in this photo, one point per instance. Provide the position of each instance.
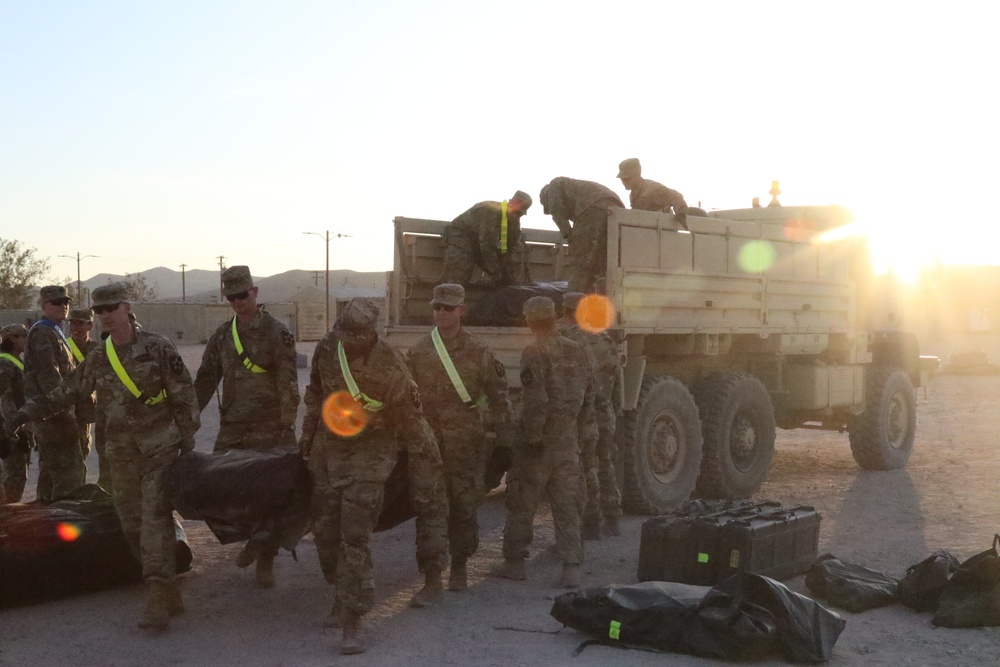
(68, 532)
(757, 257)
(343, 415)
(595, 313)
(798, 230)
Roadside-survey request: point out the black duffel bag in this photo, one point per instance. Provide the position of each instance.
(971, 599)
(850, 586)
(921, 587)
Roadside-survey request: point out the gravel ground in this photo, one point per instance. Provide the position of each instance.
(946, 498)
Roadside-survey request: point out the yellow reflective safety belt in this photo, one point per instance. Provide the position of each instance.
(449, 367)
(126, 380)
(369, 404)
(75, 349)
(503, 227)
(251, 366)
(12, 359)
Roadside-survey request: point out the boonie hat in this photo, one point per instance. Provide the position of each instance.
(51, 293)
(448, 294)
(109, 295)
(236, 279)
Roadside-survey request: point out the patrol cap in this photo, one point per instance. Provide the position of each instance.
(12, 330)
(570, 300)
(539, 308)
(629, 167)
(448, 294)
(524, 198)
(357, 321)
(81, 315)
(236, 279)
(109, 295)
(51, 293)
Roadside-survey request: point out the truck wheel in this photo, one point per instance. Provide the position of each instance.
(882, 436)
(737, 421)
(661, 442)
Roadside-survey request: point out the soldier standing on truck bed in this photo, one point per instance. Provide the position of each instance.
(349, 472)
(585, 204)
(647, 195)
(453, 370)
(487, 236)
(253, 355)
(558, 406)
(598, 451)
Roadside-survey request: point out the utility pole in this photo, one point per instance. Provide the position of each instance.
(78, 258)
(316, 278)
(183, 286)
(222, 268)
(326, 236)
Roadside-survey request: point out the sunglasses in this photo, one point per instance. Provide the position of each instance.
(441, 306)
(237, 297)
(100, 310)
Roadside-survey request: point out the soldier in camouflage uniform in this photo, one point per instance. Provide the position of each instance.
(558, 406)
(598, 452)
(477, 238)
(81, 323)
(647, 195)
(146, 397)
(349, 472)
(586, 204)
(451, 407)
(14, 473)
(253, 355)
(48, 360)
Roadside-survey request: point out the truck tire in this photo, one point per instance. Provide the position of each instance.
(882, 436)
(737, 422)
(661, 443)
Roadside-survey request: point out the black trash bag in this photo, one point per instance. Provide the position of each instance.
(849, 586)
(921, 587)
(971, 599)
(70, 546)
(243, 493)
(652, 614)
(503, 307)
(730, 627)
(807, 631)
(397, 505)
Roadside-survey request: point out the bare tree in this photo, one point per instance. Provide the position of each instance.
(20, 271)
(138, 289)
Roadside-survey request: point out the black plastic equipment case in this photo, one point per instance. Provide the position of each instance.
(706, 544)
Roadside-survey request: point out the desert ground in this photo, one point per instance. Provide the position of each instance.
(947, 497)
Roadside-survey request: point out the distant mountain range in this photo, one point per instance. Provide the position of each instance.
(200, 285)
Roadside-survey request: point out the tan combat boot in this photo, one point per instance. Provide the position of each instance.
(511, 569)
(175, 605)
(265, 569)
(336, 617)
(458, 577)
(156, 613)
(570, 577)
(350, 642)
(431, 590)
(612, 527)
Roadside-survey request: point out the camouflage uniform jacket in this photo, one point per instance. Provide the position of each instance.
(11, 388)
(480, 371)
(249, 396)
(85, 407)
(382, 376)
(567, 198)
(153, 364)
(558, 392)
(607, 365)
(47, 362)
(653, 196)
(480, 228)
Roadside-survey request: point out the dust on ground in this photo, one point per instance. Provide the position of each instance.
(948, 497)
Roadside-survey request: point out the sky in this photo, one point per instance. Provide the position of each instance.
(162, 134)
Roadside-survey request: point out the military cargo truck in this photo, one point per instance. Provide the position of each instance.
(747, 321)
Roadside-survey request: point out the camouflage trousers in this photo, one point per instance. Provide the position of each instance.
(555, 474)
(464, 458)
(588, 242)
(14, 474)
(142, 507)
(597, 457)
(255, 435)
(61, 468)
(428, 495)
(103, 466)
(348, 487)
